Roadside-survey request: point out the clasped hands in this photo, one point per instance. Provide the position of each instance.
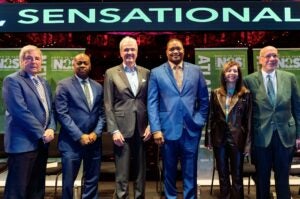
(119, 139)
(87, 139)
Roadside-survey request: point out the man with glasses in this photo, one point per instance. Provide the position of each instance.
(79, 108)
(275, 123)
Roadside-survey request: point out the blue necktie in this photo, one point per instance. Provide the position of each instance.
(270, 90)
(42, 95)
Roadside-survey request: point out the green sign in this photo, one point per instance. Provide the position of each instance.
(57, 64)
(211, 61)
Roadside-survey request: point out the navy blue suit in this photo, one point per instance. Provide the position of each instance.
(180, 116)
(76, 118)
(24, 128)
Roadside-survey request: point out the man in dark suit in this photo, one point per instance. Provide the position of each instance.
(177, 108)
(275, 123)
(29, 127)
(79, 108)
(125, 97)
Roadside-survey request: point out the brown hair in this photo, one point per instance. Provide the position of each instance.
(239, 87)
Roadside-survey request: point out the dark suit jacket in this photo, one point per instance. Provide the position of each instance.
(285, 114)
(124, 110)
(169, 109)
(239, 119)
(74, 114)
(24, 113)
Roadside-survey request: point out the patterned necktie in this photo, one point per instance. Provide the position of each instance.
(178, 74)
(270, 90)
(87, 93)
(42, 95)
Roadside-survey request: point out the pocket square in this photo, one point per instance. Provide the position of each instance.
(143, 80)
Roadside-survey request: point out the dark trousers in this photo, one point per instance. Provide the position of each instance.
(185, 150)
(26, 174)
(230, 155)
(133, 152)
(279, 158)
(71, 161)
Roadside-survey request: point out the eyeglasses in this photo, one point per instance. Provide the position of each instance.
(268, 56)
(82, 62)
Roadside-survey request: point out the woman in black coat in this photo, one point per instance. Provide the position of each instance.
(228, 129)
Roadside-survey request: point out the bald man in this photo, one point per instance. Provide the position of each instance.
(275, 123)
(79, 108)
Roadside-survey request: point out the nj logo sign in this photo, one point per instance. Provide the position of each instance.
(2, 22)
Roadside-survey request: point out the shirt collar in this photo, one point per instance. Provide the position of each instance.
(272, 74)
(129, 69)
(172, 65)
(80, 80)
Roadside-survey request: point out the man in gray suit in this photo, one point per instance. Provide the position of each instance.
(29, 127)
(125, 98)
(79, 108)
(275, 123)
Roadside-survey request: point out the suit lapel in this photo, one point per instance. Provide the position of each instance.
(261, 87)
(186, 71)
(94, 91)
(280, 87)
(141, 78)
(170, 75)
(29, 82)
(123, 77)
(78, 88)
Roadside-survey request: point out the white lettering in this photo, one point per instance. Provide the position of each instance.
(136, 13)
(91, 18)
(106, 13)
(267, 13)
(212, 14)
(229, 11)
(49, 16)
(288, 15)
(27, 15)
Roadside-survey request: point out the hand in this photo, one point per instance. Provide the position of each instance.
(298, 144)
(48, 135)
(84, 139)
(147, 134)
(158, 138)
(209, 147)
(118, 138)
(92, 137)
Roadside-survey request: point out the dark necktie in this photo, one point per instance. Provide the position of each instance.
(270, 90)
(178, 74)
(87, 93)
(42, 95)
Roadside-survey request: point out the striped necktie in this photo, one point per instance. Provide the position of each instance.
(41, 91)
(270, 90)
(87, 92)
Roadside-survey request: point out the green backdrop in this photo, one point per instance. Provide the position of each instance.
(289, 60)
